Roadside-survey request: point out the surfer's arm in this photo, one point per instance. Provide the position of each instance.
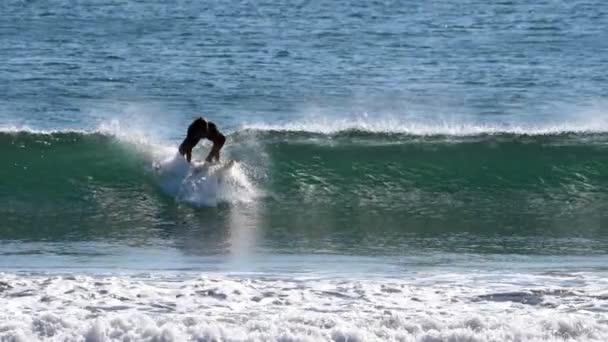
(185, 149)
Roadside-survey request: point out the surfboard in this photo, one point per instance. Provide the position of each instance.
(222, 166)
(202, 184)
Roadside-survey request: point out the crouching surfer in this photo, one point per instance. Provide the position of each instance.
(202, 129)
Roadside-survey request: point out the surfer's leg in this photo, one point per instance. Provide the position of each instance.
(218, 140)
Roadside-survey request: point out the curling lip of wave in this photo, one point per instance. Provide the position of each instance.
(327, 126)
(418, 128)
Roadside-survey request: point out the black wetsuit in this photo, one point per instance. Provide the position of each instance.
(202, 129)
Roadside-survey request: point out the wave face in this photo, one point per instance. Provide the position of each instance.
(479, 181)
(499, 183)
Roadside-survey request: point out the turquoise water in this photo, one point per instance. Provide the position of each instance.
(353, 193)
(421, 170)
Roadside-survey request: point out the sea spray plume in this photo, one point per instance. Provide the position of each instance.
(206, 185)
(203, 184)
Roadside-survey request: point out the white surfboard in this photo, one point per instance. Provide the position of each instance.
(222, 166)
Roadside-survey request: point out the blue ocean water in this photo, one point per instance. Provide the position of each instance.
(74, 64)
(407, 170)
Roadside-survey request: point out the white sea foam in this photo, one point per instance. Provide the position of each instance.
(28, 129)
(447, 307)
(582, 122)
(428, 128)
(593, 120)
(203, 185)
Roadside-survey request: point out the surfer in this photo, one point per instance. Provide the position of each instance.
(202, 129)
